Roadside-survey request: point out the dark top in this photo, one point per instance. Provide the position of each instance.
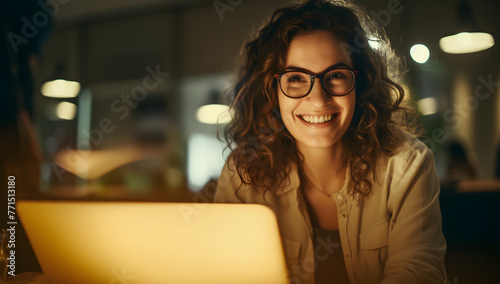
(328, 256)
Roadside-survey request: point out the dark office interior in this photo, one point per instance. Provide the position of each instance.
(140, 72)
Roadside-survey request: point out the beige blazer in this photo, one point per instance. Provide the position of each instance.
(392, 236)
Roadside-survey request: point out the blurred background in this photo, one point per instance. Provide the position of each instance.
(103, 100)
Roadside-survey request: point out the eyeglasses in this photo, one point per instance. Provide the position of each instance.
(336, 82)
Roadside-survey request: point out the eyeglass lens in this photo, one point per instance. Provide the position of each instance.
(337, 82)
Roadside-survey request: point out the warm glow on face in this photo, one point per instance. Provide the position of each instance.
(318, 120)
(61, 89)
(466, 42)
(213, 114)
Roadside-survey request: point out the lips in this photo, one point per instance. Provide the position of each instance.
(317, 119)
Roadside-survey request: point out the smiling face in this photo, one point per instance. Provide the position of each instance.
(317, 120)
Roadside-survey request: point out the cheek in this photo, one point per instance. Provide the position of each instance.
(287, 107)
(283, 105)
(350, 102)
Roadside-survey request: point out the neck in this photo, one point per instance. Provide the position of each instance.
(323, 166)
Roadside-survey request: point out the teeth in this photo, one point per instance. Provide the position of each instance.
(318, 119)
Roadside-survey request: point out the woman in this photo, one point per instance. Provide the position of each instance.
(322, 139)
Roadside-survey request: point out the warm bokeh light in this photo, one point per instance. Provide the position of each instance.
(61, 89)
(466, 42)
(427, 106)
(419, 53)
(90, 165)
(213, 114)
(66, 110)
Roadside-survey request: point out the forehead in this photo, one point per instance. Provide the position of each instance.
(317, 51)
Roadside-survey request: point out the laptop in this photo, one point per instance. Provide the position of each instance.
(154, 242)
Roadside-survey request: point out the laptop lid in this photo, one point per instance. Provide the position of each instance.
(153, 242)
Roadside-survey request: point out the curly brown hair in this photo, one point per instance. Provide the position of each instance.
(264, 147)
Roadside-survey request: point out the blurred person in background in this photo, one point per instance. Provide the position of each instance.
(460, 166)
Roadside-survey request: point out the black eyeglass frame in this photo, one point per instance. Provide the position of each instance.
(320, 77)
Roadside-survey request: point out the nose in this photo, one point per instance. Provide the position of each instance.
(318, 97)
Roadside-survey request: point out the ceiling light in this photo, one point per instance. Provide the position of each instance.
(213, 111)
(213, 114)
(467, 37)
(419, 53)
(66, 110)
(427, 106)
(60, 89)
(465, 42)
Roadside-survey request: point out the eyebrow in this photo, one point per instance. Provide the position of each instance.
(337, 65)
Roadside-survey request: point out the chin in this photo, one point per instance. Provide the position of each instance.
(318, 143)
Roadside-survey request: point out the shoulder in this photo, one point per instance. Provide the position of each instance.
(410, 151)
(231, 188)
(412, 158)
(229, 182)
